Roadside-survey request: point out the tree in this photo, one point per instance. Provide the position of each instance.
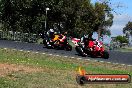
(121, 39)
(128, 29)
(91, 18)
(103, 11)
(75, 16)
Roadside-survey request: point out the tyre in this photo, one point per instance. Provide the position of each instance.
(68, 48)
(80, 80)
(56, 47)
(105, 55)
(80, 51)
(92, 54)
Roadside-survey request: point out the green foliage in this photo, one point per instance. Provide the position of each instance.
(74, 16)
(128, 28)
(121, 39)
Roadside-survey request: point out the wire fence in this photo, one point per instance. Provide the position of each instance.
(18, 36)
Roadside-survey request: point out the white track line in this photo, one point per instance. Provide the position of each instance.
(87, 59)
(13, 49)
(79, 58)
(50, 54)
(96, 60)
(65, 56)
(57, 55)
(101, 61)
(108, 62)
(115, 63)
(36, 52)
(129, 65)
(123, 64)
(72, 57)
(20, 50)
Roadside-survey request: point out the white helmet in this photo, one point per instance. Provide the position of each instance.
(85, 36)
(51, 30)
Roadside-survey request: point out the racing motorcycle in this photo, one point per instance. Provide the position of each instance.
(94, 49)
(57, 43)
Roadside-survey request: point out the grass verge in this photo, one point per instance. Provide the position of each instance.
(127, 49)
(35, 70)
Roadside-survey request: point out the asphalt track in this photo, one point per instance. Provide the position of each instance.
(116, 57)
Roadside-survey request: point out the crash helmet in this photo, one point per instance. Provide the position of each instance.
(85, 36)
(51, 30)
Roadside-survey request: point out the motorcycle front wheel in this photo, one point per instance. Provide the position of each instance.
(105, 55)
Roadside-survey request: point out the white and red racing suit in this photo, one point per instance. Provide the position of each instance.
(62, 38)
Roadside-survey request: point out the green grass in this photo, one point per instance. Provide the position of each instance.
(71, 43)
(127, 49)
(56, 71)
(40, 41)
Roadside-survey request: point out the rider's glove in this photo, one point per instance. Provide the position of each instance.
(61, 40)
(50, 40)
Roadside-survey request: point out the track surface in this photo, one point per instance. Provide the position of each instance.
(115, 56)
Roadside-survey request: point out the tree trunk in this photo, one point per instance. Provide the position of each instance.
(99, 33)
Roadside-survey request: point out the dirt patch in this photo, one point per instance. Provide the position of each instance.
(6, 69)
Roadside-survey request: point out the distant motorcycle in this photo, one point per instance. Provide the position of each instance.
(57, 43)
(94, 49)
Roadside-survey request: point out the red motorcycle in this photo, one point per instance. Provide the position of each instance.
(94, 49)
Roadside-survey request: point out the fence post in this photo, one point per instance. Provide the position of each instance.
(0, 34)
(34, 38)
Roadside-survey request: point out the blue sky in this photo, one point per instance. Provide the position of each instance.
(121, 18)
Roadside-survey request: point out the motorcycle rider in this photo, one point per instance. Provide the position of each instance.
(86, 38)
(88, 42)
(50, 35)
(62, 37)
